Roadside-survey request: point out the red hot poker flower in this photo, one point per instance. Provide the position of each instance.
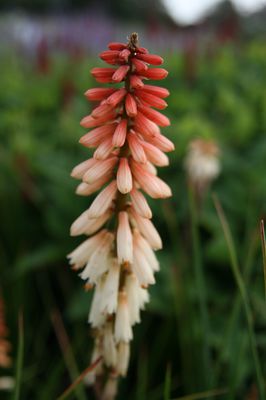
(120, 262)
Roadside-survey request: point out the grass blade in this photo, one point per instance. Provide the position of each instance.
(74, 385)
(236, 310)
(201, 290)
(167, 383)
(243, 293)
(66, 349)
(263, 245)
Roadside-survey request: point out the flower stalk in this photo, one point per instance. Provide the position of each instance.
(119, 262)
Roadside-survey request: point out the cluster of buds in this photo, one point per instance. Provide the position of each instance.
(118, 260)
(5, 360)
(202, 164)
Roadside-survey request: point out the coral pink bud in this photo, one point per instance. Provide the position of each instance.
(124, 239)
(112, 61)
(148, 253)
(101, 111)
(103, 75)
(109, 56)
(142, 50)
(124, 54)
(136, 148)
(116, 46)
(120, 133)
(154, 155)
(149, 167)
(152, 100)
(116, 97)
(139, 65)
(150, 183)
(98, 94)
(83, 224)
(103, 79)
(151, 59)
(131, 106)
(155, 73)
(95, 137)
(90, 122)
(103, 201)
(81, 168)
(154, 115)
(140, 204)
(148, 230)
(85, 189)
(104, 149)
(161, 142)
(99, 169)
(156, 91)
(124, 177)
(145, 126)
(120, 73)
(136, 82)
(94, 224)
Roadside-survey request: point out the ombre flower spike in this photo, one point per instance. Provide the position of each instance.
(119, 262)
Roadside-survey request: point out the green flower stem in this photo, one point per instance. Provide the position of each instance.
(243, 293)
(201, 289)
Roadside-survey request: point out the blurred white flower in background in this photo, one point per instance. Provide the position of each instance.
(192, 11)
(202, 163)
(7, 383)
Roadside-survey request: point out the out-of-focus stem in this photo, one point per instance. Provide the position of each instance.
(229, 337)
(79, 379)
(201, 289)
(243, 293)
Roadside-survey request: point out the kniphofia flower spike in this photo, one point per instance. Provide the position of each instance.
(119, 261)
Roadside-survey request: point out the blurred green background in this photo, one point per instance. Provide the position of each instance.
(194, 336)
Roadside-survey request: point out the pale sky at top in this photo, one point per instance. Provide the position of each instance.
(189, 11)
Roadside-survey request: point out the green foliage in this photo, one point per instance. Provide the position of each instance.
(39, 129)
